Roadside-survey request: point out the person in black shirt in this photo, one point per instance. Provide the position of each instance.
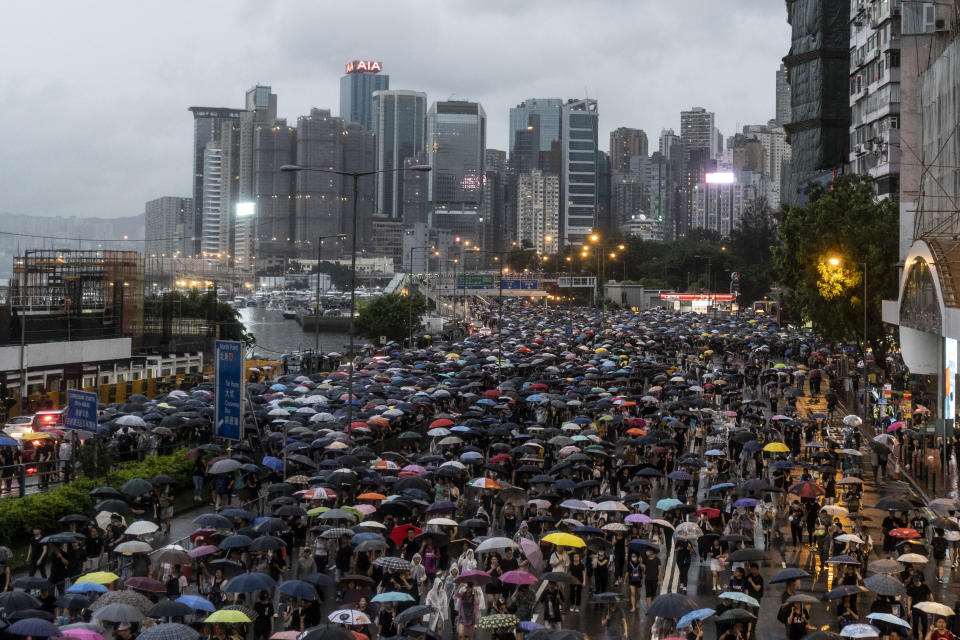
(917, 591)
(37, 555)
(264, 622)
(652, 574)
(576, 570)
(683, 552)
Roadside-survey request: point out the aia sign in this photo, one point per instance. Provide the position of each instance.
(364, 65)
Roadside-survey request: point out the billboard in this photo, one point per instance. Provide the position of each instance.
(521, 285)
(81, 410)
(949, 371)
(720, 177)
(228, 389)
(474, 282)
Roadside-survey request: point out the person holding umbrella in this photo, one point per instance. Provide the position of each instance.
(614, 622)
(468, 612)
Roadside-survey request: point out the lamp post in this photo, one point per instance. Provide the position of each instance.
(836, 262)
(316, 327)
(601, 268)
(356, 175)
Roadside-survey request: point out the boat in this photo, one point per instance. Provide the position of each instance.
(289, 313)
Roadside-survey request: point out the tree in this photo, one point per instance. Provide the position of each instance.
(392, 315)
(823, 246)
(339, 274)
(752, 245)
(201, 306)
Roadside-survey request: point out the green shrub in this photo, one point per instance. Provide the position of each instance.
(18, 516)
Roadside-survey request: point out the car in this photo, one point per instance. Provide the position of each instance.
(52, 418)
(19, 423)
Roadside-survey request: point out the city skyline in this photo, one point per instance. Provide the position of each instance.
(129, 112)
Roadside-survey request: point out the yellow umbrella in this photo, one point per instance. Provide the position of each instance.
(99, 577)
(776, 447)
(564, 540)
(230, 616)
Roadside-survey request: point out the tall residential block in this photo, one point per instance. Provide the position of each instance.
(580, 188)
(538, 211)
(698, 130)
(399, 125)
(874, 147)
(626, 143)
(360, 80)
(260, 110)
(275, 191)
(783, 96)
(164, 222)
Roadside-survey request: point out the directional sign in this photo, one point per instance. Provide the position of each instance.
(474, 282)
(81, 410)
(522, 285)
(228, 398)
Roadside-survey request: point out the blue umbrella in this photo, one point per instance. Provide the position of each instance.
(196, 602)
(746, 502)
(392, 596)
(213, 521)
(299, 589)
(8, 442)
(235, 542)
(87, 587)
(36, 627)
(889, 618)
(274, 464)
(723, 486)
(249, 582)
(366, 535)
(737, 596)
(690, 618)
(666, 504)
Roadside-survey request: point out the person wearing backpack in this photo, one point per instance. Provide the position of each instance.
(941, 553)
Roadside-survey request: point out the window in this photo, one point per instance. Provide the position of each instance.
(580, 146)
(582, 167)
(577, 134)
(587, 157)
(581, 121)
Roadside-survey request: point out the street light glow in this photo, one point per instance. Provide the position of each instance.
(834, 261)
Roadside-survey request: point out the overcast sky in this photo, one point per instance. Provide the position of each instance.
(94, 95)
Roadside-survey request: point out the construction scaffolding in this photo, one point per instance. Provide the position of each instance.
(64, 294)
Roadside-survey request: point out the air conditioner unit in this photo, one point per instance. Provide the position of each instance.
(941, 26)
(858, 149)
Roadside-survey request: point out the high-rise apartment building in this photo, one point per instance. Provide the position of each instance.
(626, 143)
(399, 125)
(579, 177)
(260, 110)
(718, 206)
(164, 222)
(456, 140)
(776, 153)
(496, 233)
(275, 191)
(698, 130)
(215, 235)
(538, 211)
(874, 147)
(209, 126)
(783, 96)
(357, 85)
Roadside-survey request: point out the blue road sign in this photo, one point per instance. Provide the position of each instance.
(228, 398)
(523, 285)
(81, 410)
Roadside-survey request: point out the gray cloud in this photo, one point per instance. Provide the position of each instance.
(94, 95)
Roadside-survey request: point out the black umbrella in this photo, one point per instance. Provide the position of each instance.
(12, 600)
(671, 605)
(169, 609)
(790, 573)
(136, 487)
(326, 632)
(112, 505)
(414, 612)
(559, 576)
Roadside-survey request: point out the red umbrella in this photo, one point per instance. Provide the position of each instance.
(904, 533)
(500, 457)
(539, 386)
(806, 489)
(493, 394)
(710, 512)
(442, 422)
(399, 533)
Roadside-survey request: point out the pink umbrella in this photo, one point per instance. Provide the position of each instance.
(81, 634)
(518, 577)
(639, 518)
(569, 450)
(365, 509)
(204, 550)
(894, 427)
(539, 504)
(474, 577)
(532, 550)
(415, 468)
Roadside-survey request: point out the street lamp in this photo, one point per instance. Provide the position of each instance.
(356, 175)
(835, 262)
(316, 347)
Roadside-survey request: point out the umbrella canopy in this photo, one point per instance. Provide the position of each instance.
(168, 631)
(671, 605)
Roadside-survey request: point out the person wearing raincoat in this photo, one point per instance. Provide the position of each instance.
(438, 599)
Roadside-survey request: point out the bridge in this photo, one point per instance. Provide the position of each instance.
(486, 285)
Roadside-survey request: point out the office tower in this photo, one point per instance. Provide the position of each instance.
(547, 111)
(624, 144)
(164, 222)
(874, 148)
(208, 126)
(604, 180)
(525, 154)
(818, 65)
(698, 131)
(357, 85)
(494, 224)
(215, 235)
(667, 140)
(579, 172)
(416, 185)
(538, 212)
(783, 96)
(275, 192)
(260, 110)
(456, 139)
(324, 201)
(399, 125)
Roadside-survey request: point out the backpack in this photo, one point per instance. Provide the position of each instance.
(939, 546)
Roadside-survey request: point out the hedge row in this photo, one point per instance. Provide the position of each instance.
(19, 516)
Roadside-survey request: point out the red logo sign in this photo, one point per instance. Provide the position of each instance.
(371, 66)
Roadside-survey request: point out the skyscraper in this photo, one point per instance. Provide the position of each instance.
(496, 233)
(624, 144)
(216, 202)
(274, 191)
(538, 211)
(261, 110)
(579, 176)
(548, 112)
(208, 126)
(456, 140)
(399, 124)
(164, 222)
(783, 96)
(357, 85)
(698, 130)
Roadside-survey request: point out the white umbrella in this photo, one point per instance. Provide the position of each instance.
(860, 630)
(141, 527)
(349, 617)
(133, 546)
(615, 527)
(442, 522)
(835, 510)
(496, 544)
(935, 608)
(849, 537)
(131, 421)
(852, 421)
(688, 531)
(611, 505)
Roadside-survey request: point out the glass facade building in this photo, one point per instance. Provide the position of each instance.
(399, 123)
(456, 138)
(356, 96)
